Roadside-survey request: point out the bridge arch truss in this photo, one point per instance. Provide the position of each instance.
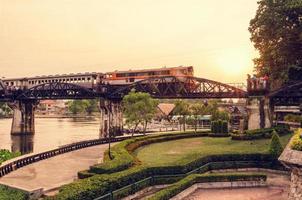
(57, 90)
(181, 87)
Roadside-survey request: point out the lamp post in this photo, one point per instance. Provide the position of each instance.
(110, 129)
(300, 114)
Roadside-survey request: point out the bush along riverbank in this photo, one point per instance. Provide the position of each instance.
(6, 155)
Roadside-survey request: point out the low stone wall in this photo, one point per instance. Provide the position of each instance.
(145, 192)
(251, 170)
(218, 185)
(292, 159)
(295, 192)
(32, 195)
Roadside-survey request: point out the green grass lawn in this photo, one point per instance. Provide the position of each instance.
(186, 150)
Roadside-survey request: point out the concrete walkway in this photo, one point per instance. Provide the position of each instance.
(56, 171)
(277, 189)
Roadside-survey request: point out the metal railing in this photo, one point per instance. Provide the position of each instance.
(14, 165)
(151, 180)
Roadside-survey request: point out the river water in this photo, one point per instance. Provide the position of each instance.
(50, 133)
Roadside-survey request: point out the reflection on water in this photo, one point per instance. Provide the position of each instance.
(50, 133)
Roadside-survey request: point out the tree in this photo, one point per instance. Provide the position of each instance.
(91, 106)
(275, 147)
(182, 108)
(6, 110)
(77, 106)
(276, 33)
(198, 109)
(139, 108)
(220, 115)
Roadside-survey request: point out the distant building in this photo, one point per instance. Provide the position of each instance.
(164, 110)
(48, 107)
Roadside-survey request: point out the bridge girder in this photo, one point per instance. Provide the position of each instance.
(157, 87)
(288, 95)
(57, 90)
(180, 87)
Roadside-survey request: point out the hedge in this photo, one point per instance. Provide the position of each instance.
(102, 184)
(99, 185)
(296, 142)
(12, 194)
(261, 133)
(219, 127)
(121, 153)
(187, 182)
(6, 155)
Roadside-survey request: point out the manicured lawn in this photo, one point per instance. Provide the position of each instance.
(186, 150)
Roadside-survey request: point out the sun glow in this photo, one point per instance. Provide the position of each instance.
(234, 61)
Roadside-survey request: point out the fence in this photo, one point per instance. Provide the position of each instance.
(151, 180)
(14, 165)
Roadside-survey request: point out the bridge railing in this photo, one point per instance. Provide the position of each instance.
(14, 165)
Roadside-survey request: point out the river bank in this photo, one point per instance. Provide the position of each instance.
(50, 132)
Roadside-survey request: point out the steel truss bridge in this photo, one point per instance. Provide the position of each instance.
(157, 87)
(288, 95)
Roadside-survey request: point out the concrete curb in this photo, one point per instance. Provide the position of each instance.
(218, 185)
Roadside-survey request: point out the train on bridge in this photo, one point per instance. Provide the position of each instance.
(91, 80)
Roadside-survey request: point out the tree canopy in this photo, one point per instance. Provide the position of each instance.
(139, 108)
(6, 110)
(81, 106)
(276, 32)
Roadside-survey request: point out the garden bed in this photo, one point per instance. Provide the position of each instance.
(104, 184)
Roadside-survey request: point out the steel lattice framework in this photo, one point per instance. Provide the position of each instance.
(57, 90)
(288, 95)
(180, 87)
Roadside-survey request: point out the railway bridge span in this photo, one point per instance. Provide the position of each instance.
(26, 93)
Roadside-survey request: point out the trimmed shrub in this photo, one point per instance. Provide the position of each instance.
(275, 147)
(12, 194)
(187, 182)
(219, 127)
(99, 185)
(121, 153)
(225, 127)
(262, 133)
(296, 143)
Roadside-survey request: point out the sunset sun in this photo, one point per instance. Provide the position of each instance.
(234, 61)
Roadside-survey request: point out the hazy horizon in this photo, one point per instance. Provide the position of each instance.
(73, 36)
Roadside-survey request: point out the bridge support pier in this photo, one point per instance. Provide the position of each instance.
(24, 117)
(111, 118)
(22, 143)
(259, 114)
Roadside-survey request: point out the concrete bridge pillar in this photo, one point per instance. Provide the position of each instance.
(259, 113)
(111, 118)
(117, 118)
(104, 111)
(22, 143)
(24, 117)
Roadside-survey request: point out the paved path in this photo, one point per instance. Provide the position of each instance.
(56, 171)
(278, 188)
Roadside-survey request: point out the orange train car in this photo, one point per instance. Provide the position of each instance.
(131, 76)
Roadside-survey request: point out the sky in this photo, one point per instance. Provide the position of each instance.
(71, 36)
